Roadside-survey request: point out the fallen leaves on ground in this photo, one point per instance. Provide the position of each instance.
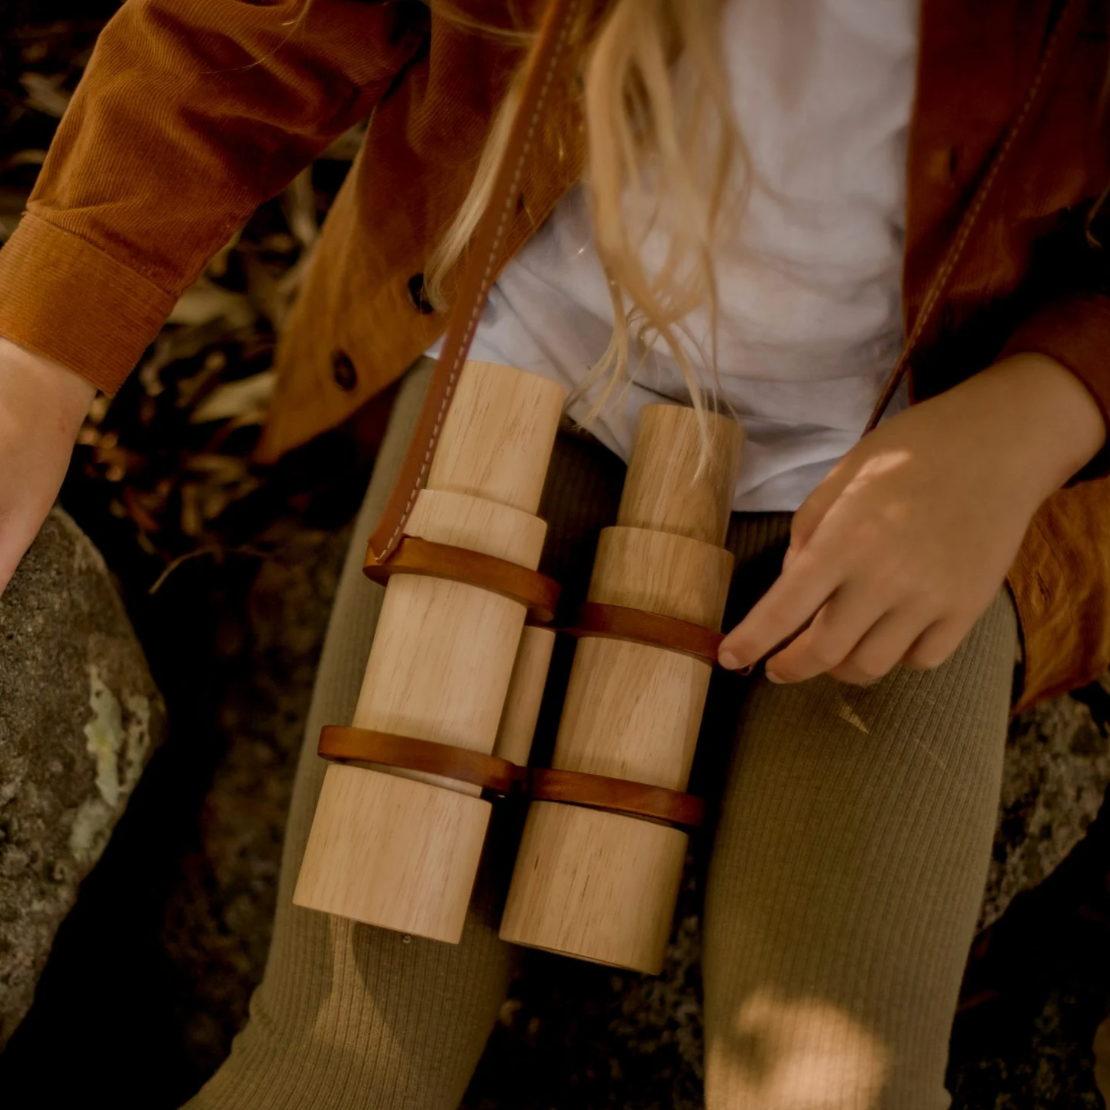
(172, 452)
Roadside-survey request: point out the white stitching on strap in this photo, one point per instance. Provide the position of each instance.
(483, 287)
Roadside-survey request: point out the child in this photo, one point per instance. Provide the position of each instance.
(815, 214)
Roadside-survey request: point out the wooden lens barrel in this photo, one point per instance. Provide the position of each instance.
(400, 848)
(591, 883)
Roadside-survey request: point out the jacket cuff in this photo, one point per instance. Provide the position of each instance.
(1075, 331)
(69, 301)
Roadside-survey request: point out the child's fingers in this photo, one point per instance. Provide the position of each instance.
(830, 637)
(937, 643)
(884, 645)
(802, 588)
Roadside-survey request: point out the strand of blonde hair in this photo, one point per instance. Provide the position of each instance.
(663, 157)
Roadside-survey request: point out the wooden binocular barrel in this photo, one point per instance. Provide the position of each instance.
(399, 848)
(588, 882)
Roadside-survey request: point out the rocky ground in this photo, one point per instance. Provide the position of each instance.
(79, 718)
(151, 973)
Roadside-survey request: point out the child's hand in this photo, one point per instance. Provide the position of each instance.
(42, 405)
(903, 546)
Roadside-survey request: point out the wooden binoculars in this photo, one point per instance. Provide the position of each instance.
(456, 673)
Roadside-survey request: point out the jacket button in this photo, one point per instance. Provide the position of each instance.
(343, 370)
(418, 297)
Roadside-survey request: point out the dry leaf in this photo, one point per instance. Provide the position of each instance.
(217, 264)
(191, 523)
(346, 146)
(25, 158)
(299, 202)
(45, 94)
(203, 302)
(236, 398)
(183, 343)
(138, 511)
(265, 291)
(1102, 1060)
(194, 389)
(224, 468)
(214, 502)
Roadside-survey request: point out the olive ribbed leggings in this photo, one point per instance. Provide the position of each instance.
(846, 874)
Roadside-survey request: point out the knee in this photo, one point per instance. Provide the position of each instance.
(778, 1053)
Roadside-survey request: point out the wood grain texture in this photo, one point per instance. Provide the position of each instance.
(595, 884)
(662, 573)
(651, 702)
(439, 670)
(388, 851)
(522, 703)
(667, 488)
(462, 520)
(444, 652)
(609, 889)
(497, 436)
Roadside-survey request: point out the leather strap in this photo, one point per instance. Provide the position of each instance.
(536, 592)
(1052, 56)
(363, 745)
(477, 276)
(618, 622)
(616, 795)
(340, 744)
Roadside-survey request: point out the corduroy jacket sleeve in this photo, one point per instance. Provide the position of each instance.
(191, 113)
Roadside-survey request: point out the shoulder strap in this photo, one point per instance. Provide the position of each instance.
(1063, 30)
(477, 276)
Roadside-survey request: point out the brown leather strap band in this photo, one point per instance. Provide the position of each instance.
(1068, 22)
(536, 592)
(618, 622)
(365, 745)
(616, 795)
(478, 275)
(341, 744)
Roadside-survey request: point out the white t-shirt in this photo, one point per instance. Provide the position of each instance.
(809, 286)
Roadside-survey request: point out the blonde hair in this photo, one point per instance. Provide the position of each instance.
(663, 157)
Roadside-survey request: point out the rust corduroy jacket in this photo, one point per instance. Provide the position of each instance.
(193, 111)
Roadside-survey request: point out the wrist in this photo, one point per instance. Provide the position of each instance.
(1043, 414)
(32, 378)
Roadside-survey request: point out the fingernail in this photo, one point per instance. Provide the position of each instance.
(728, 660)
(772, 677)
(746, 670)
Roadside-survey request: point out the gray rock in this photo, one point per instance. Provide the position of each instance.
(1056, 773)
(79, 716)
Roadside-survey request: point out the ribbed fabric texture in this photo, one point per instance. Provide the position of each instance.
(349, 1016)
(846, 877)
(846, 874)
